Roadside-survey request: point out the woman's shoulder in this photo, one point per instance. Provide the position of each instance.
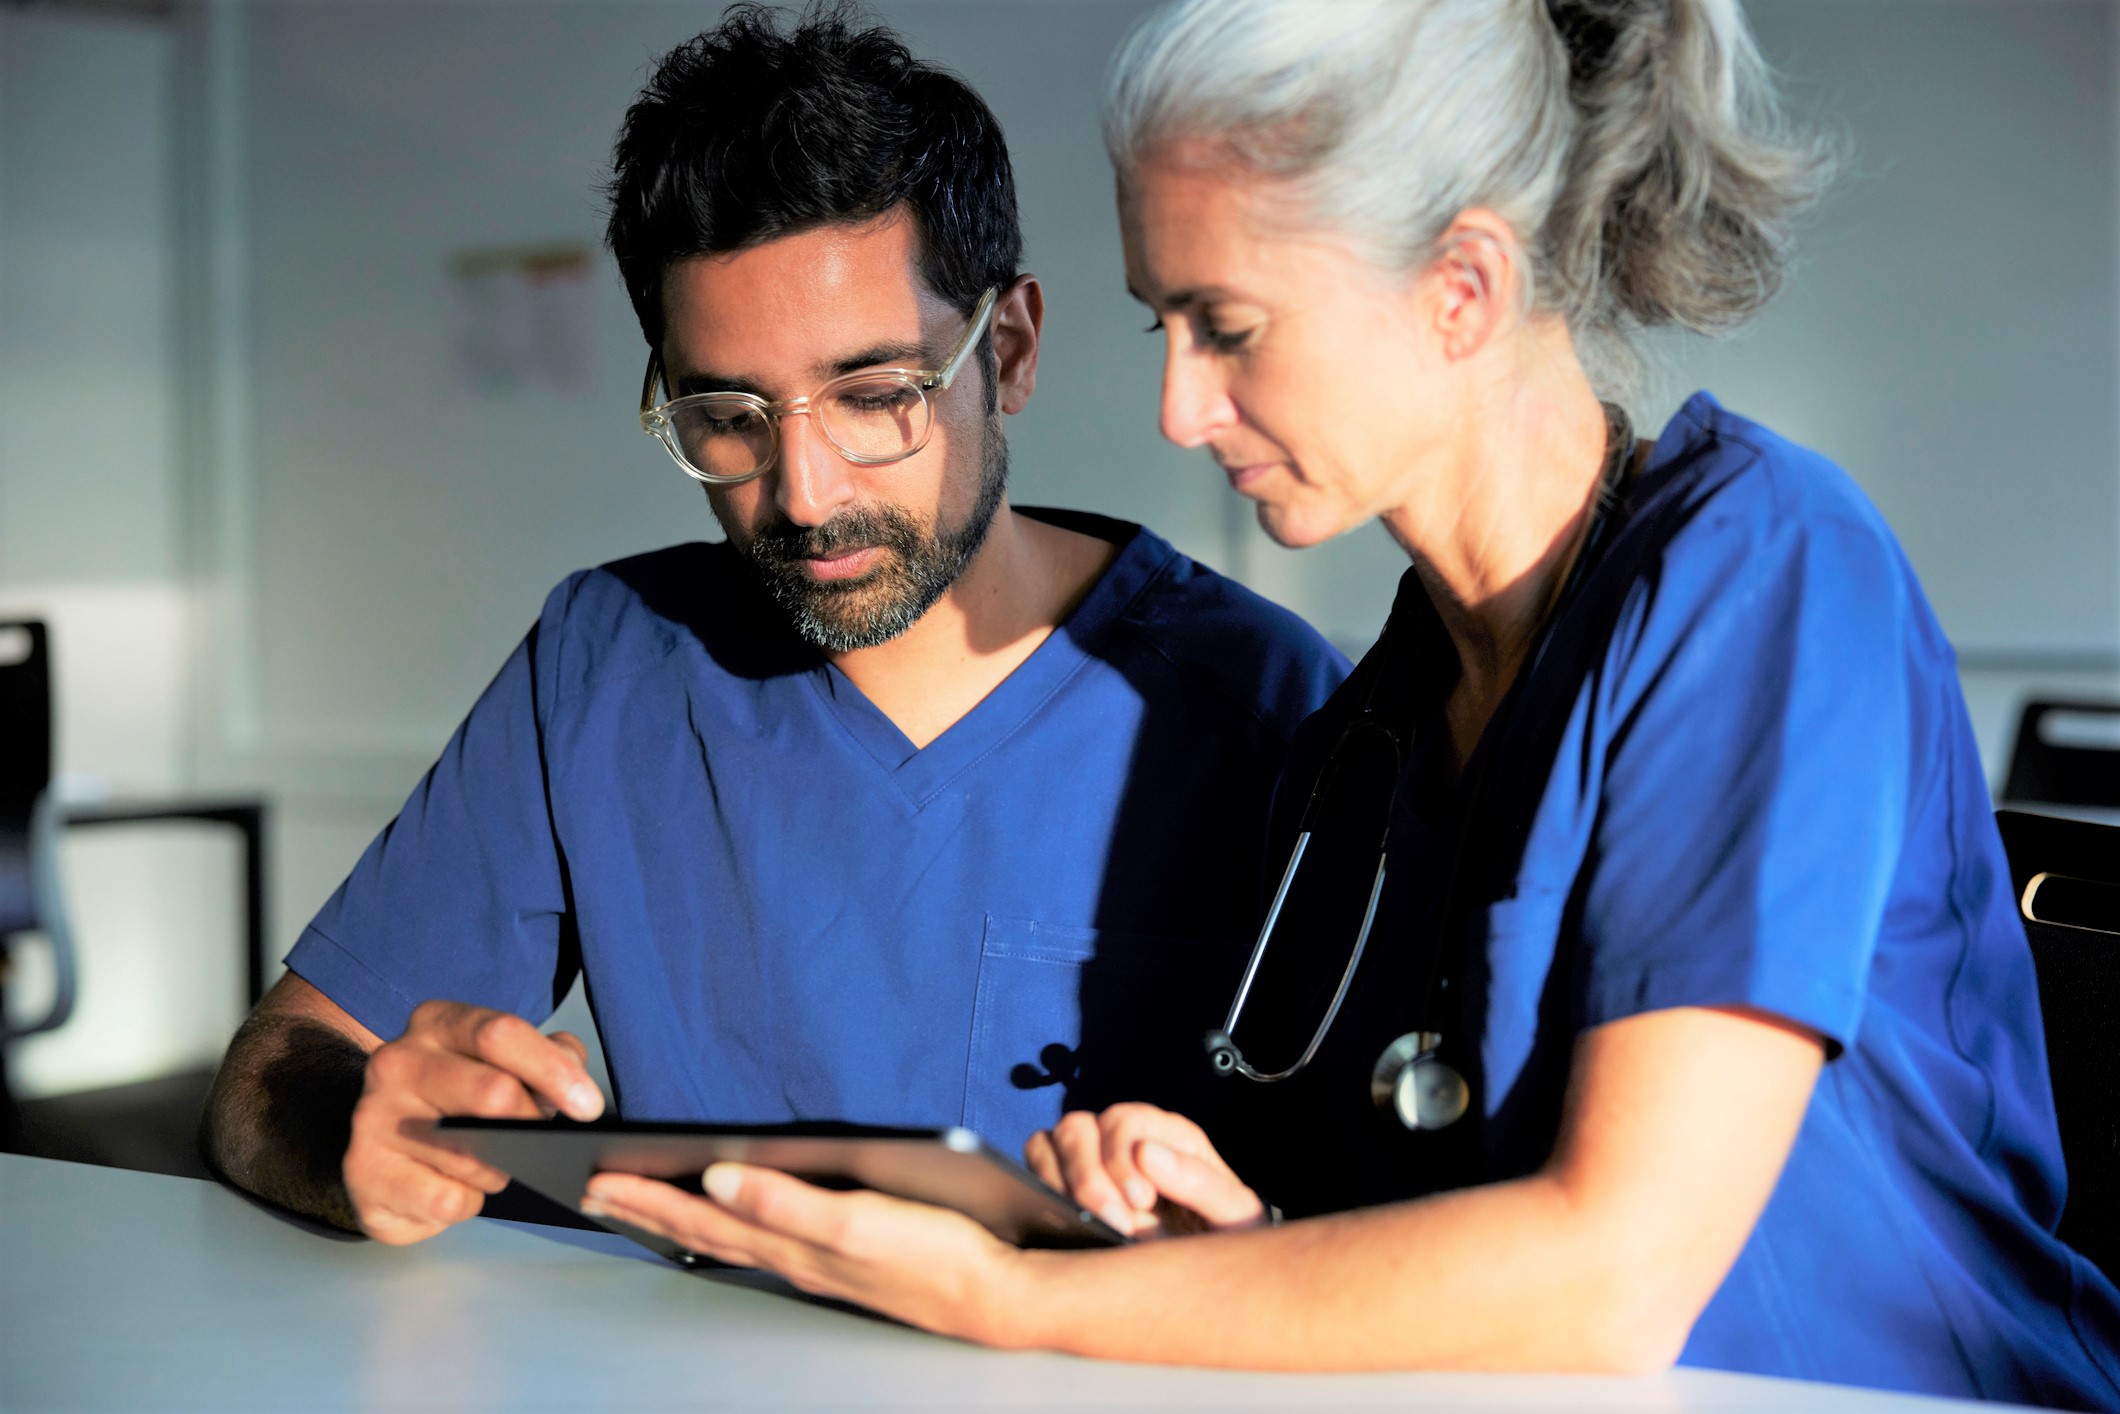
(1731, 475)
(1740, 531)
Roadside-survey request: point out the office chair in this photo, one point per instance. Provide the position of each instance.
(2067, 877)
(2063, 773)
(30, 900)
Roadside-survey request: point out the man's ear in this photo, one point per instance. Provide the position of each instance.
(1478, 282)
(1019, 314)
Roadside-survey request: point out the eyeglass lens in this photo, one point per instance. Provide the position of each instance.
(871, 419)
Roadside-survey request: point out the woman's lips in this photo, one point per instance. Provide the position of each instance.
(843, 564)
(1243, 478)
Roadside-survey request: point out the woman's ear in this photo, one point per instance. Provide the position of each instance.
(1477, 282)
(1019, 314)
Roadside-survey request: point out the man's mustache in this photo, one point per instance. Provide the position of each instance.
(785, 542)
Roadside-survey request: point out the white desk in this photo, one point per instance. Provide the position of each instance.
(133, 1291)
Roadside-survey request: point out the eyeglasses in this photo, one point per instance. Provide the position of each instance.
(876, 416)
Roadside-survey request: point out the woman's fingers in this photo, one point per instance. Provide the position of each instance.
(1043, 1159)
(930, 1266)
(1080, 1145)
(1124, 1128)
(1202, 1184)
(657, 1207)
(1098, 1161)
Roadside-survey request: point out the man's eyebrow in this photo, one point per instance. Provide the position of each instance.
(707, 381)
(893, 355)
(899, 355)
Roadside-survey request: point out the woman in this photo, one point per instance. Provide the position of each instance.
(1690, 872)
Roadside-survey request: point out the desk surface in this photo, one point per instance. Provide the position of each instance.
(124, 1290)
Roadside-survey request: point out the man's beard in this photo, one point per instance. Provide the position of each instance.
(917, 568)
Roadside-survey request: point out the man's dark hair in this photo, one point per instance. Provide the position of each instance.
(750, 132)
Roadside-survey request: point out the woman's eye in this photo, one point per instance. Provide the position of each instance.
(1207, 336)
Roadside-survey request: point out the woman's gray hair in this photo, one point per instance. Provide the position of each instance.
(1634, 145)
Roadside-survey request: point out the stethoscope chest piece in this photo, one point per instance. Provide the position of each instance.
(1417, 1085)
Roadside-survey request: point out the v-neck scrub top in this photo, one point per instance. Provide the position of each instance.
(784, 911)
(1759, 790)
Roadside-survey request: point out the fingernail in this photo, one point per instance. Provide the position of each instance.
(722, 1182)
(1154, 1156)
(1118, 1219)
(1140, 1192)
(592, 1209)
(585, 1101)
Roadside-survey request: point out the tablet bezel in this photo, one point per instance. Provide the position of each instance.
(951, 1168)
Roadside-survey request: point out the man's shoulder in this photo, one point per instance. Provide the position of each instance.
(1218, 636)
(635, 613)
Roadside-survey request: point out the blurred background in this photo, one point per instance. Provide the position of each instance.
(314, 377)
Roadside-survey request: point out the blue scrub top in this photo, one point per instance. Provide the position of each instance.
(1761, 790)
(783, 911)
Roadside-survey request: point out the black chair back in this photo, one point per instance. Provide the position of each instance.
(2067, 879)
(25, 762)
(2064, 773)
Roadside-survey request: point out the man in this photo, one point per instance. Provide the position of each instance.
(904, 806)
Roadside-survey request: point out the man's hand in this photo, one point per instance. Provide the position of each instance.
(453, 1059)
(1146, 1172)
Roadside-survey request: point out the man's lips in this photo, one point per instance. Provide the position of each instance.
(841, 564)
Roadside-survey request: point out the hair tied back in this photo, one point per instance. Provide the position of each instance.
(1588, 31)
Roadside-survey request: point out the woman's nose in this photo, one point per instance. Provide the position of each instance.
(814, 480)
(1195, 401)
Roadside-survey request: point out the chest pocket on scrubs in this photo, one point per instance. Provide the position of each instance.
(1082, 1018)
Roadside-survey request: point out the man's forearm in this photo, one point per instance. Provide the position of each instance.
(281, 1112)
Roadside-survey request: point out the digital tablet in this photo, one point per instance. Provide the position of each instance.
(950, 1168)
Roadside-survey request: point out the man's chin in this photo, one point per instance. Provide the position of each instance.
(849, 615)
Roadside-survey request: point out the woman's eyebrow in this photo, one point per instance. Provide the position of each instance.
(1180, 300)
(1176, 301)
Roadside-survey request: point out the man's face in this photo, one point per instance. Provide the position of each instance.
(855, 554)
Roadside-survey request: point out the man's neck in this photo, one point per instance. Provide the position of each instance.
(1025, 580)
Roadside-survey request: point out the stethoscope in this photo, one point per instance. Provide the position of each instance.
(1410, 1077)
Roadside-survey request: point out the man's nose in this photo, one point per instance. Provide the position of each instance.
(814, 481)
(1195, 400)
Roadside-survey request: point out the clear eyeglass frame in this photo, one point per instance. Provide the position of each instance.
(661, 420)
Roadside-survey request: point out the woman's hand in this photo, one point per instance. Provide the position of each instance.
(927, 1266)
(1145, 1171)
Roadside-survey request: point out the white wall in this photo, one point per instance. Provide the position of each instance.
(365, 536)
(1951, 333)
(90, 535)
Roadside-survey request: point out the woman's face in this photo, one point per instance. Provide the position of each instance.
(1318, 382)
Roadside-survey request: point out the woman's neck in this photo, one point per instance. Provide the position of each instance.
(1495, 530)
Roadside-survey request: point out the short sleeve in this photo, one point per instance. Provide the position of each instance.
(462, 896)
(1756, 777)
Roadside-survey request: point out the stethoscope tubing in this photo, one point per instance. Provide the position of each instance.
(1339, 996)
